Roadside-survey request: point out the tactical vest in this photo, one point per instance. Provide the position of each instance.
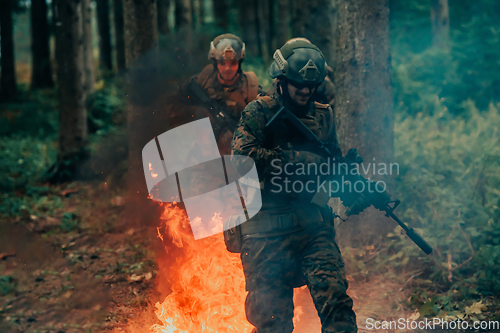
(274, 222)
(319, 119)
(236, 97)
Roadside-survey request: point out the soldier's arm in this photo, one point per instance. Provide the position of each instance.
(249, 138)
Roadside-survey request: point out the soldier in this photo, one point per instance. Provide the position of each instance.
(222, 88)
(325, 93)
(290, 242)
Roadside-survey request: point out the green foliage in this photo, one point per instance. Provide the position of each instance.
(105, 109)
(425, 77)
(448, 183)
(69, 222)
(35, 115)
(24, 159)
(6, 284)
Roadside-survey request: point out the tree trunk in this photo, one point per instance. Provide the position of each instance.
(283, 22)
(8, 80)
(88, 48)
(249, 26)
(141, 40)
(364, 101)
(263, 28)
(41, 74)
(141, 28)
(315, 20)
(220, 13)
(201, 12)
(119, 34)
(440, 18)
(183, 14)
(163, 9)
(104, 34)
(198, 13)
(70, 81)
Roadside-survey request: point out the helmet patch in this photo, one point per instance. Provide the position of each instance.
(228, 53)
(310, 71)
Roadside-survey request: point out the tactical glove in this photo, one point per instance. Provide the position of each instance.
(305, 157)
(360, 203)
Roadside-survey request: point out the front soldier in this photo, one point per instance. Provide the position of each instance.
(222, 88)
(291, 241)
(324, 93)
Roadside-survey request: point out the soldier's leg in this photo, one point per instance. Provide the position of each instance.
(268, 276)
(324, 271)
(270, 310)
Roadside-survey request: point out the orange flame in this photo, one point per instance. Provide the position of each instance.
(208, 286)
(207, 282)
(154, 175)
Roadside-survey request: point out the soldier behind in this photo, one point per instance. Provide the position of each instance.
(222, 88)
(291, 241)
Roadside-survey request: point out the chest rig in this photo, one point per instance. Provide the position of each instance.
(234, 98)
(319, 119)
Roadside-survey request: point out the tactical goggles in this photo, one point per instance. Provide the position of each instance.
(300, 86)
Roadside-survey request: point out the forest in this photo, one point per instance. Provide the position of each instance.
(86, 84)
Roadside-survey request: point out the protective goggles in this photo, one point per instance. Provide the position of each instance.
(300, 85)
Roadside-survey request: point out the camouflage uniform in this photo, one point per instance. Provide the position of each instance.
(303, 252)
(205, 96)
(232, 98)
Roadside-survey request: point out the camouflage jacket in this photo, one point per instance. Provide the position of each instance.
(233, 99)
(273, 151)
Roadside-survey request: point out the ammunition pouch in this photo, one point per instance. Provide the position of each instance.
(269, 224)
(232, 234)
(272, 223)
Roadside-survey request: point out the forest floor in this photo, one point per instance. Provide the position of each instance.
(83, 268)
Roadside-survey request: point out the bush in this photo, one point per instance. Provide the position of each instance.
(448, 184)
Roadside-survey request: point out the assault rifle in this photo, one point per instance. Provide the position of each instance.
(285, 118)
(218, 112)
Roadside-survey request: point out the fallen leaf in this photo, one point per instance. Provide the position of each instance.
(117, 201)
(414, 316)
(148, 276)
(121, 250)
(134, 278)
(475, 308)
(69, 191)
(4, 256)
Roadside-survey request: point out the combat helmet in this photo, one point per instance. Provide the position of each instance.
(299, 61)
(227, 47)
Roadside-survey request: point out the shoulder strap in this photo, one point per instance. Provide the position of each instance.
(253, 86)
(205, 74)
(324, 116)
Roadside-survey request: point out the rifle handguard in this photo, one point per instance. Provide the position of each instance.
(417, 239)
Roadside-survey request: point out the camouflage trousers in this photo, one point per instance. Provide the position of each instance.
(273, 266)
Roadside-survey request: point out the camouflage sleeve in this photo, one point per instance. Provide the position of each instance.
(249, 137)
